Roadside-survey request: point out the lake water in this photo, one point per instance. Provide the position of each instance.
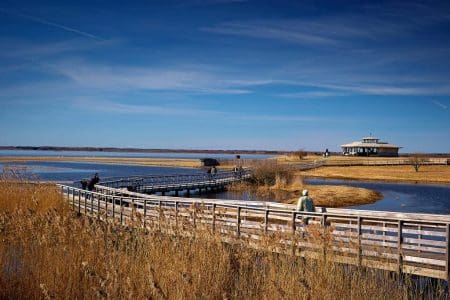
(401, 197)
(127, 154)
(74, 171)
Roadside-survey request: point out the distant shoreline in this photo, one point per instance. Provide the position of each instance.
(190, 151)
(140, 150)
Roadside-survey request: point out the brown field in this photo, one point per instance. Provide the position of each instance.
(327, 195)
(48, 252)
(426, 174)
(335, 196)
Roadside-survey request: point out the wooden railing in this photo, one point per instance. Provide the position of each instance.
(307, 165)
(382, 162)
(401, 242)
(185, 180)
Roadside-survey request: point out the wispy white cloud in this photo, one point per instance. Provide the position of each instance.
(132, 78)
(49, 23)
(189, 3)
(389, 90)
(335, 31)
(15, 48)
(381, 22)
(272, 30)
(440, 104)
(314, 94)
(124, 108)
(177, 111)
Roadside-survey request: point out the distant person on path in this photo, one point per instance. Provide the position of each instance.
(84, 184)
(236, 172)
(240, 171)
(214, 171)
(305, 203)
(94, 180)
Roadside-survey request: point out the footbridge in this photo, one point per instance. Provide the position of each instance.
(179, 182)
(417, 244)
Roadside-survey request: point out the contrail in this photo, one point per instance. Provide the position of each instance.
(45, 22)
(441, 105)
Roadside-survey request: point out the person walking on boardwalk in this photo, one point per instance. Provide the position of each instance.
(208, 172)
(305, 203)
(214, 172)
(94, 180)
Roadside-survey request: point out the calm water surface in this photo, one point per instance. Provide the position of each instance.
(126, 154)
(401, 197)
(74, 171)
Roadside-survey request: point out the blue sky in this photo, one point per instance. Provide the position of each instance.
(224, 74)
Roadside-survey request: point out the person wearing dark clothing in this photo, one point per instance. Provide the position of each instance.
(235, 172)
(84, 184)
(94, 180)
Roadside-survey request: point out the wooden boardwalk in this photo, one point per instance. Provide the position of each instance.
(178, 182)
(401, 242)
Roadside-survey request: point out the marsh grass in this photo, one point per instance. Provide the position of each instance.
(272, 180)
(48, 252)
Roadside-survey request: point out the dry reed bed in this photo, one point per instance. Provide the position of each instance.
(426, 174)
(271, 178)
(47, 251)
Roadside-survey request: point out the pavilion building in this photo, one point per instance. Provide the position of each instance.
(370, 146)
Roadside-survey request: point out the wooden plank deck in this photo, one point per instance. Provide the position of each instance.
(402, 242)
(177, 182)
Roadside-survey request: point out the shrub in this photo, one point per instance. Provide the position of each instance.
(270, 172)
(417, 161)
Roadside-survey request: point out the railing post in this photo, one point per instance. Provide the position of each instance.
(79, 197)
(399, 247)
(176, 215)
(214, 218)
(145, 212)
(266, 221)
(447, 251)
(239, 221)
(294, 216)
(133, 209)
(160, 215)
(98, 205)
(121, 210)
(92, 203)
(79, 202)
(194, 214)
(113, 207)
(359, 241)
(106, 207)
(85, 202)
(324, 223)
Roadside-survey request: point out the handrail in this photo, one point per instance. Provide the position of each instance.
(151, 181)
(417, 245)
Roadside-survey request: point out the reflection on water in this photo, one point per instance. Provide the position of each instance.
(401, 197)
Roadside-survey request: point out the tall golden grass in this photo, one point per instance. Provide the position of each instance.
(272, 180)
(48, 252)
